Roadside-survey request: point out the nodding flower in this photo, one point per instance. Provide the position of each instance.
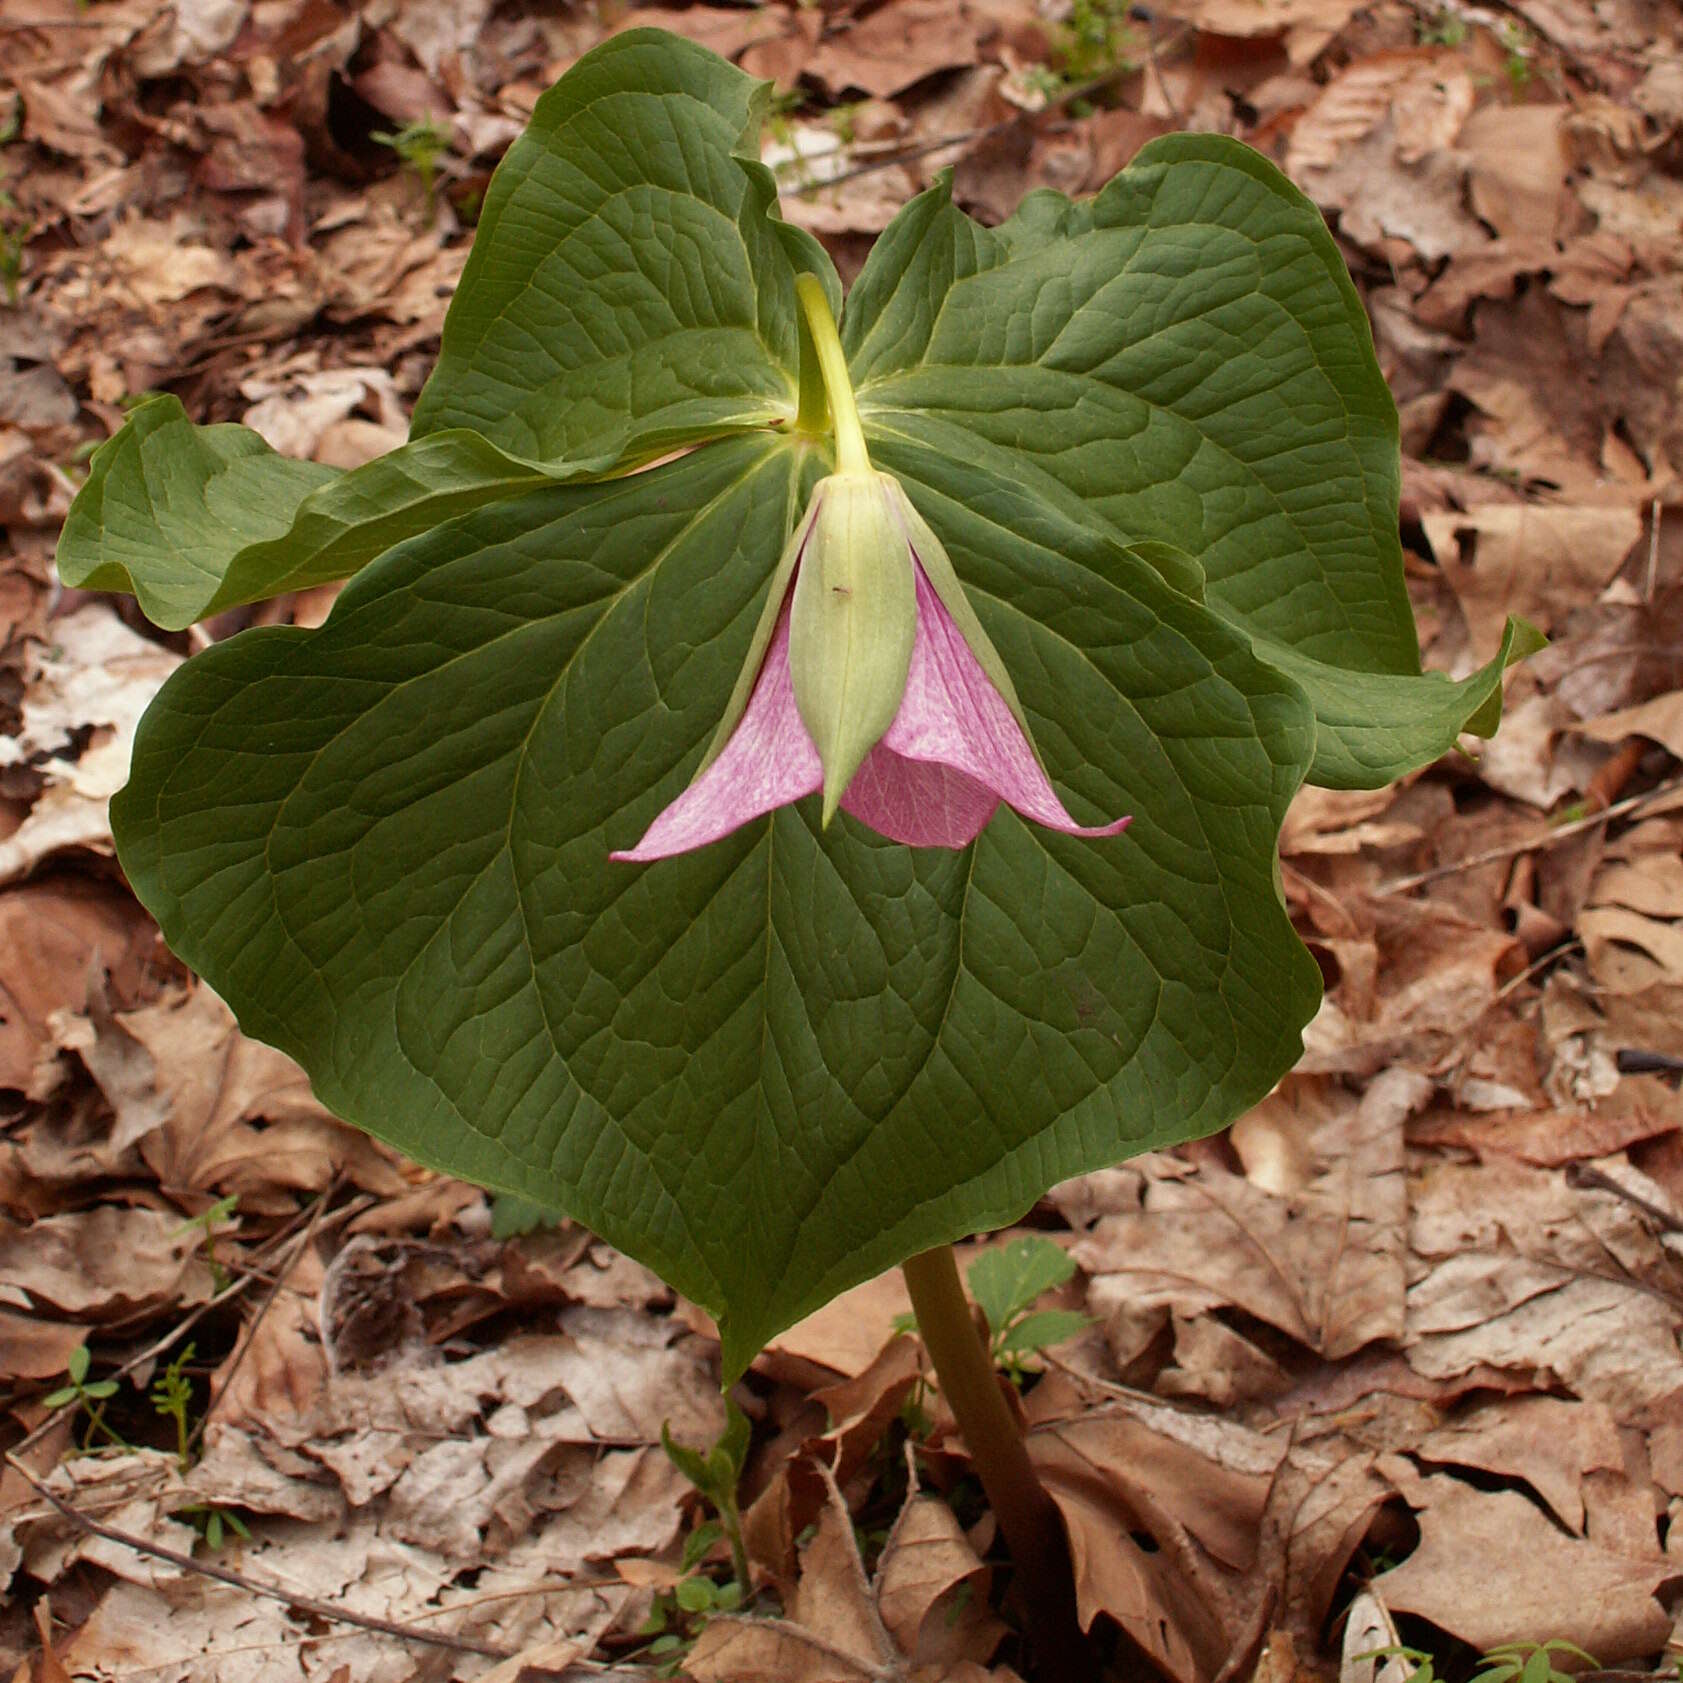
(871, 679)
(869, 676)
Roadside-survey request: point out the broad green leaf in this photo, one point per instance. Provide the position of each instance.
(167, 504)
(1185, 356)
(195, 519)
(629, 289)
(1373, 721)
(777, 1065)
(1004, 1282)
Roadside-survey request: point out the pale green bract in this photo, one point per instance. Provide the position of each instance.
(1151, 436)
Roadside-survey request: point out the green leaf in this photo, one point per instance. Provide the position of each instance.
(1041, 1330)
(1004, 1282)
(57, 1399)
(167, 504)
(775, 1066)
(197, 519)
(1375, 724)
(512, 1217)
(1185, 357)
(699, 1544)
(695, 1595)
(76, 1365)
(628, 289)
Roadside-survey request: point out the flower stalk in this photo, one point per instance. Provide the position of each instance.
(851, 455)
(1027, 1515)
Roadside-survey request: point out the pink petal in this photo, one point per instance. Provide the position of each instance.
(954, 751)
(920, 803)
(768, 762)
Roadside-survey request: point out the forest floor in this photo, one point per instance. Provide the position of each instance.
(1398, 1355)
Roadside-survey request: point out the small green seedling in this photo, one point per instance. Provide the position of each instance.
(92, 1396)
(172, 1397)
(13, 243)
(715, 1475)
(420, 144)
(679, 1614)
(1529, 1662)
(1006, 1284)
(212, 1523)
(1507, 1662)
(209, 1221)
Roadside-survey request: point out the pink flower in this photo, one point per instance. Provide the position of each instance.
(954, 746)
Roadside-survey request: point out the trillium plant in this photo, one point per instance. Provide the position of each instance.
(786, 793)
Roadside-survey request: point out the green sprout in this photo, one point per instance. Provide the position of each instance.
(679, 1614)
(209, 1221)
(172, 1397)
(1006, 1284)
(420, 143)
(90, 1396)
(1507, 1662)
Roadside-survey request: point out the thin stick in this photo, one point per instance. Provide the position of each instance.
(1027, 1515)
(190, 1320)
(1401, 885)
(223, 1575)
(250, 1338)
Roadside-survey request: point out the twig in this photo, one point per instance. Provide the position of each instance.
(225, 1575)
(191, 1319)
(1582, 1174)
(1653, 551)
(1508, 850)
(196, 1436)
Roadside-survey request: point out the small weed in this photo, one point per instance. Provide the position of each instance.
(715, 1475)
(212, 1523)
(420, 144)
(1446, 29)
(1518, 45)
(14, 242)
(91, 1396)
(210, 1221)
(844, 120)
(1508, 1662)
(172, 1397)
(1006, 1283)
(680, 1614)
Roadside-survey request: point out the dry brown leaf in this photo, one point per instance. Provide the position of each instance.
(1517, 166)
(1537, 561)
(1492, 1567)
(1548, 1442)
(95, 676)
(1660, 719)
(1310, 1244)
(107, 1264)
(1522, 1273)
(1426, 94)
(888, 50)
(926, 1558)
(56, 935)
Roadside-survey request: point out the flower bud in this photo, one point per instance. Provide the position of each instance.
(853, 622)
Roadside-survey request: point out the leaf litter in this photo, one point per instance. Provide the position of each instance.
(1401, 1348)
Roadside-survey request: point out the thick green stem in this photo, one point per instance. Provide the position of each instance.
(1027, 1515)
(851, 455)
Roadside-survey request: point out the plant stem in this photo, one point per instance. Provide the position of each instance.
(1027, 1515)
(851, 455)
